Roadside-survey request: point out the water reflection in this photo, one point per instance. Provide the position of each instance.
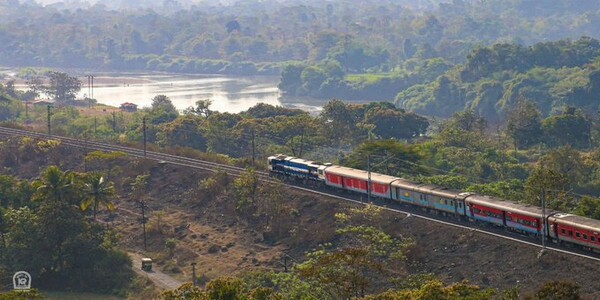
(229, 94)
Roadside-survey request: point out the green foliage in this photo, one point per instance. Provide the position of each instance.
(62, 87)
(449, 181)
(511, 189)
(162, 110)
(32, 294)
(226, 288)
(387, 157)
(588, 207)
(569, 128)
(555, 185)
(366, 255)
(185, 292)
(523, 125)
(555, 290)
(171, 244)
(98, 191)
(245, 188)
(437, 290)
(183, 132)
(72, 246)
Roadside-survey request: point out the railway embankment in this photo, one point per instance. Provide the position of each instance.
(205, 227)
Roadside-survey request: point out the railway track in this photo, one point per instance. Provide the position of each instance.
(264, 176)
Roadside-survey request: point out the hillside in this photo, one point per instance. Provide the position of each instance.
(224, 241)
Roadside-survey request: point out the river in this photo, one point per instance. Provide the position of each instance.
(228, 93)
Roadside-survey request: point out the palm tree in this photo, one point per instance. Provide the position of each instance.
(97, 191)
(56, 186)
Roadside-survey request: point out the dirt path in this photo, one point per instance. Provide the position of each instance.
(160, 279)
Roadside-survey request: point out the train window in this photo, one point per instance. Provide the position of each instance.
(460, 204)
(570, 233)
(563, 231)
(508, 218)
(445, 201)
(476, 210)
(577, 234)
(585, 236)
(592, 238)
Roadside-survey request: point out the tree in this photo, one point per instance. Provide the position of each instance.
(365, 255)
(233, 25)
(230, 288)
(466, 120)
(184, 131)
(290, 80)
(393, 123)
(162, 110)
(186, 291)
(387, 157)
(556, 186)
(56, 186)
(171, 244)
(220, 134)
(569, 128)
(246, 189)
(202, 108)
(62, 87)
(568, 162)
(339, 118)
(36, 85)
(523, 125)
(557, 290)
(98, 191)
(435, 289)
(588, 207)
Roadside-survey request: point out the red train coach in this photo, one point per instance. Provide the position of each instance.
(519, 217)
(356, 180)
(575, 229)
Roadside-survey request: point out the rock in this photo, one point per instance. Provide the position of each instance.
(213, 249)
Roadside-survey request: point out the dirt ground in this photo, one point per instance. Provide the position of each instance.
(223, 244)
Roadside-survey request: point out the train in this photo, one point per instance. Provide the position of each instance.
(554, 226)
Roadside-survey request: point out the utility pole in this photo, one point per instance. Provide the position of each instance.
(96, 128)
(114, 121)
(369, 178)
(89, 94)
(49, 124)
(194, 274)
(144, 129)
(90, 79)
(544, 223)
(143, 206)
(92, 76)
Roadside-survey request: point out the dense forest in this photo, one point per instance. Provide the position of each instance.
(380, 34)
(494, 97)
(511, 159)
(431, 57)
